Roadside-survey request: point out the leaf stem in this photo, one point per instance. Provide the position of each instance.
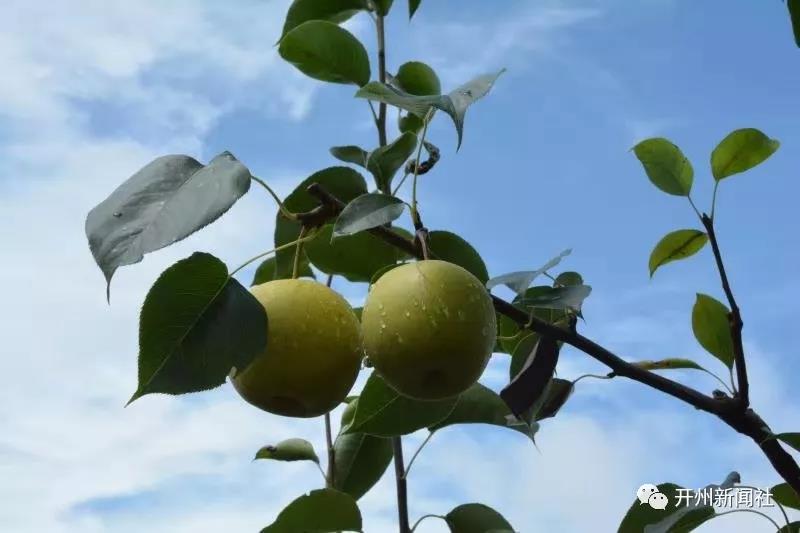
(595, 376)
(774, 523)
(285, 212)
(421, 518)
(416, 453)
(414, 207)
(783, 511)
(402, 181)
(714, 200)
(278, 249)
(297, 252)
(697, 211)
(329, 478)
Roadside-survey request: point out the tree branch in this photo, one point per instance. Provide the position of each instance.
(734, 318)
(402, 490)
(727, 409)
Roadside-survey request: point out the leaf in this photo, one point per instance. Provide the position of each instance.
(676, 245)
(383, 412)
(477, 518)
(366, 212)
(666, 166)
(384, 162)
(570, 297)
(785, 495)
(529, 385)
(319, 511)
(481, 405)
(694, 513)
(794, 14)
(343, 182)
(351, 154)
(196, 324)
(324, 51)
(568, 279)
(641, 516)
(266, 271)
(417, 78)
(336, 11)
(454, 104)
(164, 202)
(450, 247)
(360, 462)
(413, 5)
(356, 257)
(741, 150)
(794, 527)
(289, 450)
(712, 328)
(667, 364)
(792, 439)
(521, 352)
(520, 281)
(556, 395)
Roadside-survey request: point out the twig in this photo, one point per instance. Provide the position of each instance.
(402, 490)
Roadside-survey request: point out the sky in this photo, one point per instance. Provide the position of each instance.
(93, 90)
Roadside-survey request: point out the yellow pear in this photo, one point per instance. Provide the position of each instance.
(313, 351)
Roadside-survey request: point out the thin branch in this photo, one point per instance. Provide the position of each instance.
(416, 453)
(379, 23)
(264, 254)
(285, 212)
(330, 480)
(402, 489)
(735, 317)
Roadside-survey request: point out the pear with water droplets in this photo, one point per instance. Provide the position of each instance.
(313, 352)
(429, 329)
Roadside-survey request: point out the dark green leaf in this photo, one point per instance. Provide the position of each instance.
(331, 10)
(520, 281)
(383, 6)
(794, 527)
(450, 247)
(741, 150)
(196, 324)
(641, 516)
(356, 257)
(289, 450)
(477, 518)
(383, 412)
(366, 212)
(666, 166)
(320, 511)
(383, 271)
(164, 202)
(570, 297)
(481, 405)
(351, 154)
(712, 328)
(410, 123)
(509, 330)
(360, 462)
(792, 439)
(521, 351)
(413, 5)
(676, 245)
(556, 395)
(418, 79)
(785, 495)
(529, 385)
(266, 271)
(343, 182)
(454, 104)
(568, 279)
(384, 162)
(794, 14)
(324, 51)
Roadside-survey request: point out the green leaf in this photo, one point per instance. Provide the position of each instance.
(481, 405)
(666, 166)
(266, 271)
(544, 297)
(741, 150)
(324, 51)
(356, 257)
(351, 154)
(520, 353)
(336, 11)
(568, 279)
(343, 182)
(454, 104)
(450, 247)
(641, 516)
(164, 202)
(383, 6)
(668, 364)
(794, 14)
(712, 328)
(520, 281)
(530, 384)
(320, 511)
(792, 439)
(366, 212)
(477, 518)
(410, 123)
(556, 395)
(785, 495)
(196, 324)
(360, 462)
(794, 527)
(384, 162)
(413, 5)
(676, 245)
(419, 79)
(383, 412)
(289, 450)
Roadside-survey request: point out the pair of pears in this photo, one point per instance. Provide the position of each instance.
(427, 327)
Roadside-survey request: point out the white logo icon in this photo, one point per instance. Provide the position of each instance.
(649, 494)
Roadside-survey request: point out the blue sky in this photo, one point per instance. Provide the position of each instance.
(94, 90)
